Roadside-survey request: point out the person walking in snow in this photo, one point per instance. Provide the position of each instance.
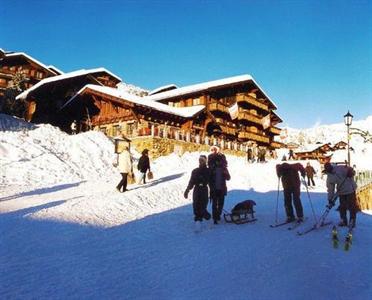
(144, 165)
(310, 171)
(199, 181)
(291, 188)
(291, 155)
(217, 164)
(341, 178)
(125, 168)
(73, 127)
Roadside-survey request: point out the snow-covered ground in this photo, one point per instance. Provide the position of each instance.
(66, 233)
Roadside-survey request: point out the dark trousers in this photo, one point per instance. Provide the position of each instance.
(218, 200)
(294, 195)
(348, 203)
(200, 203)
(310, 178)
(123, 182)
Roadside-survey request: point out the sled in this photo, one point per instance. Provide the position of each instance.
(240, 216)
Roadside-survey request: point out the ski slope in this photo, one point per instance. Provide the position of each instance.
(66, 233)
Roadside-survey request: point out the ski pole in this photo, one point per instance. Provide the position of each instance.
(311, 203)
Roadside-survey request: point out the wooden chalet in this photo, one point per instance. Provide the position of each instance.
(318, 152)
(341, 145)
(46, 98)
(236, 109)
(19, 62)
(198, 114)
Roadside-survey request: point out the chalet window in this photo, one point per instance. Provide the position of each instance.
(116, 130)
(196, 101)
(39, 75)
(32, 73)
(12, 69)
(2, 81)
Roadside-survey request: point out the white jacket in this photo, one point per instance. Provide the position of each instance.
(125, 162)
(340, 180)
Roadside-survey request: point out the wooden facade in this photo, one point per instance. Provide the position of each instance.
(18, 62)
(320, 153)
(208, 123)
(46, 98)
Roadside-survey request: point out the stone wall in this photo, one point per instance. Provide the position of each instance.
(162, 146)
(364, 197)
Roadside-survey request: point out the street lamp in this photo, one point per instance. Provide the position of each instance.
(348, 118)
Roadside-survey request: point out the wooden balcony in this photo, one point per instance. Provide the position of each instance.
(252, 136)
(276, 145)
(218, 107)
(245, 115)
(275, 130)
(242, 98)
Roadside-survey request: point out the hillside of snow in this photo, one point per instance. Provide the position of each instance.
(308, 138)
(66, 233)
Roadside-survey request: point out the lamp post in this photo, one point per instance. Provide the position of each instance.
(348, 118)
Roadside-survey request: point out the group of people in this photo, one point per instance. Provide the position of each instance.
(208, 181)
(340, 183)
(125, 167)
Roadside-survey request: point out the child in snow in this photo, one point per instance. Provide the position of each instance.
(199, 181)
(144, 165)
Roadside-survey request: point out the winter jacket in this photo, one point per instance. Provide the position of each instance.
(125, 162)
(289, 175)
(144, 164)
(215, 159)
(200, 177)
(341, 178)
(309, 171)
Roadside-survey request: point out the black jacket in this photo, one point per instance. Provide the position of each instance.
(144, 163)
(200, 177)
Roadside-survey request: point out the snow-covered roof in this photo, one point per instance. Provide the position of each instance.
(205, 86)
(162, 89)
(54, 69)
(29, 58)
(82, 72)
(186, 112)
(310, 147)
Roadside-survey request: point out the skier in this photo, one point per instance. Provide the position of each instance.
(125, 167)
(144, 165)
(199, 181)
(341, 178)
(217, 164)
(291, 188)
(310, 174)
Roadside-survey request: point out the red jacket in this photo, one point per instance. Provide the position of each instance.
(289, 175)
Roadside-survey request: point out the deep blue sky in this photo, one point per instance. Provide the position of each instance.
(313, 58)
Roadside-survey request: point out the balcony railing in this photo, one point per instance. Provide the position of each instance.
(252, 136)
(252, 101)
(275, 145)
(245, 115)
(218, 107)
(275, 130)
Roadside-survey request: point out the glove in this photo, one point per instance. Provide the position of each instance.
(186, 194)
(330, 204)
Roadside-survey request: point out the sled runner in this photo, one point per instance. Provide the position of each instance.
(241, 213)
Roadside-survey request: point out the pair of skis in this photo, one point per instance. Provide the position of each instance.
(348, 237)
(293, 224)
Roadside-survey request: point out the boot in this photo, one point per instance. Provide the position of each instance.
(290, 219)
(342, 223)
